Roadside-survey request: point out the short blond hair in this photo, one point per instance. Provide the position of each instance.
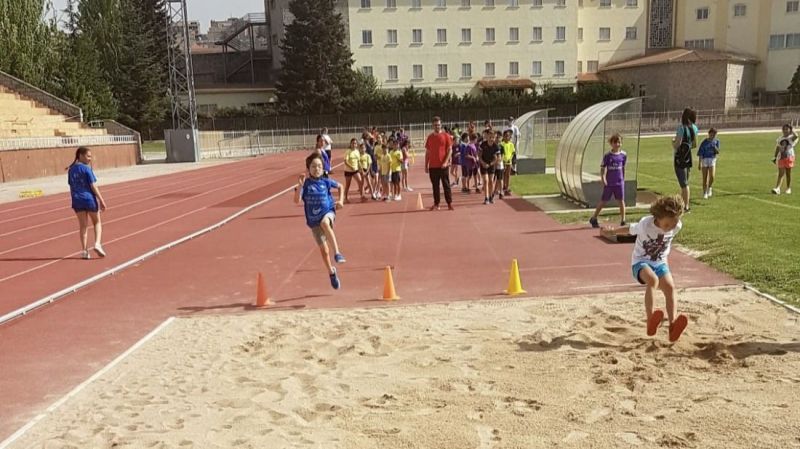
(667, 206)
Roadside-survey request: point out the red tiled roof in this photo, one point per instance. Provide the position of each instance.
(680, 55)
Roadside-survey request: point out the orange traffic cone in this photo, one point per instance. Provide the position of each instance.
(388, 285)
(262, 300)
(420, 205)
(514, 283)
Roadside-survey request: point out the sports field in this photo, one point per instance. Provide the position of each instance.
(743, 230)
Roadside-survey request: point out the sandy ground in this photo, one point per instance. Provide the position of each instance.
(567, 372)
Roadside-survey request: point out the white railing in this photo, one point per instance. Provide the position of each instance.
(26, 143)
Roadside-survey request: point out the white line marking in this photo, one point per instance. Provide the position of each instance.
(567, 267)
(57, 295)
(769, 297)
(22, 430)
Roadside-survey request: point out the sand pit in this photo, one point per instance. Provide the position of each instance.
(541, 373)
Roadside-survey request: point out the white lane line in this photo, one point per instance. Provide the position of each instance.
(22, 430)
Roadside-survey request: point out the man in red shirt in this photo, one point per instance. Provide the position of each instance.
(438, 147)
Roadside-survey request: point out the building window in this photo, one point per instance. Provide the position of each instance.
(559, 68)
(416, 4)
(416, 36)
(367, 70)
(537, 3)
(536, 70)
(391, 4)
(561, 33)
(605, 34)
(591, 66)
(513, 3)
(792, 6)
(580, 33)
(642, 90)
(561, 3)
(466, 70)
(702, 13)
(630, 33)
(700, 43)
(466, 35)
(513, 34)
(632, 3)
(488, 3)
(366, 37)
(513, 68)
(580, 66)
(739, 10)
(416, 71)
(466, 4)
(793, 40)
(489, 69)
(777, 41)
(392, 72)
(441, 36)
(391, 37)
(441, 4)
(605, 3)
(537, 34)
(490, 35)
(366, 4)
(441, 71)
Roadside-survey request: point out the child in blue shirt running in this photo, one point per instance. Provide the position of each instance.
(320, 210)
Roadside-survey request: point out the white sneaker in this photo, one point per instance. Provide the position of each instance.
(710, 192)
(705, 196)
(99, 250)
(398, 198)
(776, 191)
(788, 191)
(409, 189)
(85, 255)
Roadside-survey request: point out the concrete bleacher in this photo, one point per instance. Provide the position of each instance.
(22, 117)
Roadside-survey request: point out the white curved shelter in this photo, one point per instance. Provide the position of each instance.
(585, 141)
(531, 150)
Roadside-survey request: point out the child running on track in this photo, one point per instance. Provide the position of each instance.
(86, 200)
(654, 234)
(320, 210)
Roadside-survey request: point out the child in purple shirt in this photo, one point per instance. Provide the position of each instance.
(612, 172)
(469, 157)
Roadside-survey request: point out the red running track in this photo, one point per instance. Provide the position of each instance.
(437, 256)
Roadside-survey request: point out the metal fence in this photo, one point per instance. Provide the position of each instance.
(26, 143)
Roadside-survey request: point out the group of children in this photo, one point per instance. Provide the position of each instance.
(379, 164)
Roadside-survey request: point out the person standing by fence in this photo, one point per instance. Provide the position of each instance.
(328, 144)
(438, 146)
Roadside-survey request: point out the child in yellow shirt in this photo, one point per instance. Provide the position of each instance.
(385, 171)
(365, 164)
(397, 168)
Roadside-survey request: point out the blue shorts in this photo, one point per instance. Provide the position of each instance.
(84, 205)
(660, 269)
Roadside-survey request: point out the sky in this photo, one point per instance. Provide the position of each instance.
(206, 10)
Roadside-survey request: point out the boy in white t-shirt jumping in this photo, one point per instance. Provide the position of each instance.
(654, 234)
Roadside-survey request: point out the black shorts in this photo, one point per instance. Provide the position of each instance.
(395, 177)
(487, 170)
(467, 172)
(498, 174)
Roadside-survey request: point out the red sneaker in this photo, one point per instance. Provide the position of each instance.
(654, 322)
(677, 327)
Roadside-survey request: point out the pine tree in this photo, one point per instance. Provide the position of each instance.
(317, 74)
(26, 41)
(794, 88)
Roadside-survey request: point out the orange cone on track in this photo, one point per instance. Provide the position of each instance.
(262, 300)
(388, 285)
(420, 204)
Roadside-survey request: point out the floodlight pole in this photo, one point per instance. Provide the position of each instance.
(181, 72)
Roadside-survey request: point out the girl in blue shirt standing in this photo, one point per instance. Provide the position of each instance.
(87, 202)
(707, 158)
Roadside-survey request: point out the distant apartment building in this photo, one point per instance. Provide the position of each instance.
(466, 46)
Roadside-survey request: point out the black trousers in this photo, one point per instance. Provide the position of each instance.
(440, 175)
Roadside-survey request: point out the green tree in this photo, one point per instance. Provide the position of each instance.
(794, 88)
(26, 41)
(317, 75)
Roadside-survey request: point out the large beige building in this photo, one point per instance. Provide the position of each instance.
(464, 46)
